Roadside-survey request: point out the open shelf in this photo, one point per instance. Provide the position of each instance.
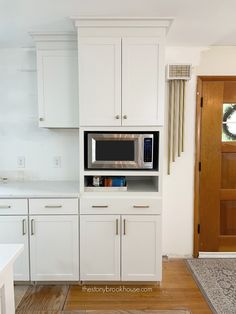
(128, 173)
(134, 184)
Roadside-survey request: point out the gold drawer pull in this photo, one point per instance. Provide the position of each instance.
(99, 206)
(141, 206)
(5, 206)
(53, 206)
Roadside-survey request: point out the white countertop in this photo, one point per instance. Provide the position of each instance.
(8, 254)
(31, 189)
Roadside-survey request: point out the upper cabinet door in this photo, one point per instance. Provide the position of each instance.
(141, 91)
(99, 81)
(58, 88)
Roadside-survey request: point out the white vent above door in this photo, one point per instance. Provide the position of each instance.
(179, 71)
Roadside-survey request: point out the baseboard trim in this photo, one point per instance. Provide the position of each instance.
(217, 255)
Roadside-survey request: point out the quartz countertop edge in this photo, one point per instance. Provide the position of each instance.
(8, 254)
(37, 189)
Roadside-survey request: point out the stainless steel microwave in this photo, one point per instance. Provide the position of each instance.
(120, 150)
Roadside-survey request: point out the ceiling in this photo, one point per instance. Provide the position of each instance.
(196, 22)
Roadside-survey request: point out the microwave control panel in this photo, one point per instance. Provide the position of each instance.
(148, 149)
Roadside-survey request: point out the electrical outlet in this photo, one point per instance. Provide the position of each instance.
(57, 162)
(21, 161)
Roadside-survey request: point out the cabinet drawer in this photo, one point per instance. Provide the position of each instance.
(120, 206)
(13, 206)
(56, 206)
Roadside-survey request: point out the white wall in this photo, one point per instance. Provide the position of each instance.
(179, 186)
(19, 131)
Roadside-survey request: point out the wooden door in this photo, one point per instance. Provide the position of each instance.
(14, 229)
(99, 247)
(99, 81)
(54, 247)
(58, 88)
(141, 248)
(217, 179)
(141, 74)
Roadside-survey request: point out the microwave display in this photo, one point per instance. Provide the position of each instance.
(111, 150)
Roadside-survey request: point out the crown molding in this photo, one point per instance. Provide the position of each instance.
(93, 21)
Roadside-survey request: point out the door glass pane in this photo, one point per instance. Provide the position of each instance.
(229, 122)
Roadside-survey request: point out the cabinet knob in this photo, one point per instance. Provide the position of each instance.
(125, 117)
(41, 119)
(117, 117)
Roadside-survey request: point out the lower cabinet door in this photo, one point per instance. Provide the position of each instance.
(14, 229)
(54, 248)
(141, 248)
(100, 247)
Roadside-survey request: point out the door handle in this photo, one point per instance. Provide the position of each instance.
(117, 226)
(24, 226)
(99, 206)
(32, 227)
(5, 206)
(141, 206)
(53, 206)
(124, 227)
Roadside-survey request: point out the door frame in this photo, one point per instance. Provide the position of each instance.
(200, 80)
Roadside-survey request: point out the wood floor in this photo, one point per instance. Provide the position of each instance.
(177, 291)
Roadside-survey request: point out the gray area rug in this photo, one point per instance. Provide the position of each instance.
(216, 278)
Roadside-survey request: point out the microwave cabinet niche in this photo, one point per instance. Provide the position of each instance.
(121, 150)
(120, 247)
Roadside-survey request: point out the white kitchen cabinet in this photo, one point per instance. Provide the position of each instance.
(141, 248)
(54, 247)
(120, 81)
(58, 88)
(14, 229)
(140, 81)
(99, 247)
(135, 240)
(99, 81)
